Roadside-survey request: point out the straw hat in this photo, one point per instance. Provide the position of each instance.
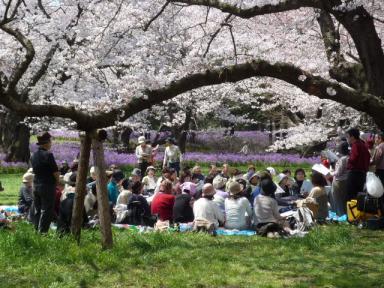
(28, 177)
(141, 140)
(234, 188)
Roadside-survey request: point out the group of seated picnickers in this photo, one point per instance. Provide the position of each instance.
(222, 198)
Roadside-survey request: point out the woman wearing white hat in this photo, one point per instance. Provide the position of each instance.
(143, 154)
(25, 194)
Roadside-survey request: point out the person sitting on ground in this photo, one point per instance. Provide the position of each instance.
(213, 171)
(254, 180)
(246, 189)
(92, 175)
(225, 172)
(271, 171)
(205, 210)
(73, 168)
(142, 209)
(126, 189)
(196, 173)
(149, 181)
(166, 174)
(162, 203)
(266, 211)
(251, 171)
(90, 201)
(262, 176)
(182, 209)
(283, 189)
(301, 186)
(64, 168)
(317, 200)
(184, 177)
(66, 207)
(25, 194)
(114, 186)
(219, 183)
(238, 211)
(199, 188)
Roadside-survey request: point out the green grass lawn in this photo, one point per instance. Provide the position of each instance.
(11, 184)
(330, 256)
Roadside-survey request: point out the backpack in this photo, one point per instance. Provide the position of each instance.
(304, 219)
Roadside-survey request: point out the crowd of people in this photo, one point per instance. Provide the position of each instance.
(223, 197)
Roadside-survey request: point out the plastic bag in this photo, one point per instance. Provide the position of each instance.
(374, 186)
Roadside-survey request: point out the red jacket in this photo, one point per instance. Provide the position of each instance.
(162, 205)
(359, 158)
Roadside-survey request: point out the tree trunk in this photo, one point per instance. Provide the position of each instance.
(361, 27)
(78, 206)
(14, 138)
(182, 140)
(102, 193)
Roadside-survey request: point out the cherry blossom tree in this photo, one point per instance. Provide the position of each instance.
(101, 62)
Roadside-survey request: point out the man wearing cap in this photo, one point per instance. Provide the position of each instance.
(45, 180)
(25, 194)
(143, 154)
(172, 155)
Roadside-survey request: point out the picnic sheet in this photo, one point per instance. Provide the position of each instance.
(185, 227)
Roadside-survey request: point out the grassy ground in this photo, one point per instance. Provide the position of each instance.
(11, 184)
(331, 256)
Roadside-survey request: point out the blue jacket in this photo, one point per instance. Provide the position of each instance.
(113, 192)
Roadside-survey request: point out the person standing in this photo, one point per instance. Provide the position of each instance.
(172, 155)
(143, 154)
(45, 181)
(358, 164)
(338, 195)
(378, 156)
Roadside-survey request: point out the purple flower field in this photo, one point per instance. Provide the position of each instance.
(68, 151)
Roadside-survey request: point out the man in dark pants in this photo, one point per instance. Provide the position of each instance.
(358, 164)
(46, 177)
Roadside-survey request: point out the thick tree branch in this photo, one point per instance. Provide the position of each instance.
(341, 70)
(282, 6)
(312, 85)
(24, 65)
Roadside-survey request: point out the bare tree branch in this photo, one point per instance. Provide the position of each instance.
(146, 27)
(40, 72)
(214, 35)
(41, 7)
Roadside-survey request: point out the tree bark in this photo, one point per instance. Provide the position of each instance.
(102, 193)
(14, 138)
(78, 206)
(360, 25)
(182, 141)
